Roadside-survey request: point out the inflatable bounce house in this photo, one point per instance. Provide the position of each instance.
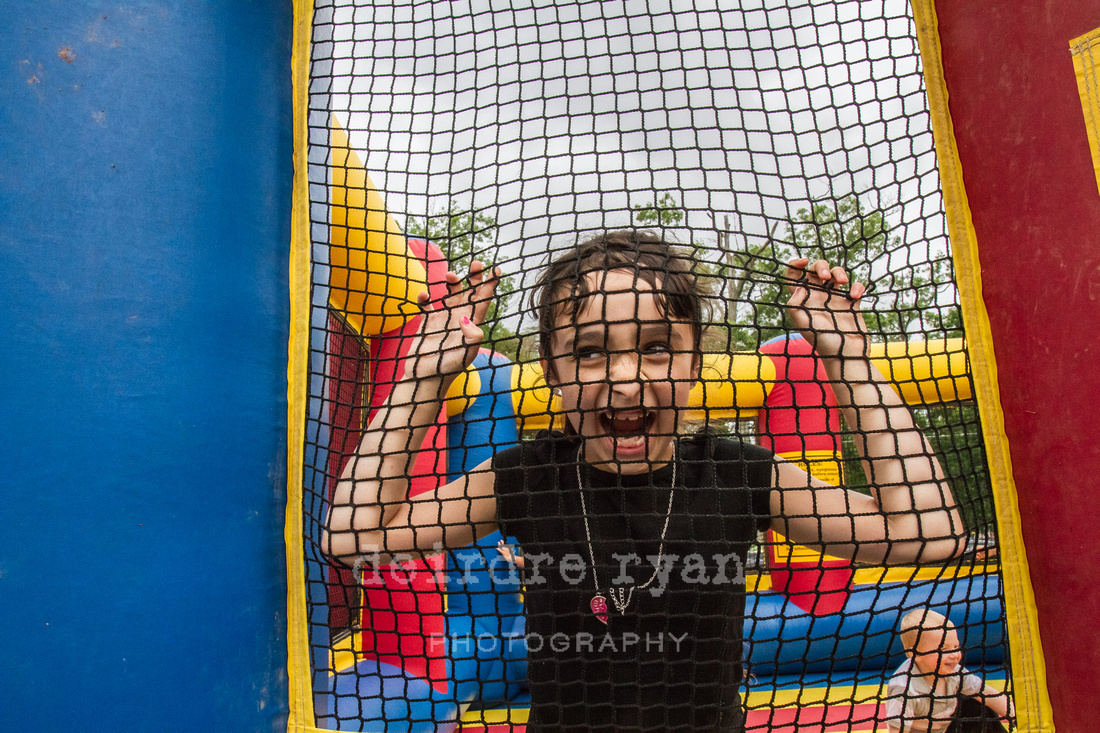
(217, 222)
(441, 644)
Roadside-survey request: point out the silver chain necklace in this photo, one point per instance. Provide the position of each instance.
(619, 596)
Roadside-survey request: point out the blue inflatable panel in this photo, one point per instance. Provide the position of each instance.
(489, 423)
(145, 200)
(378, 697)
(782, 639)
(486, 655)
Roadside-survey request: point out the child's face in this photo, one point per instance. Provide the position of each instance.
(624, 369)
(938, 653)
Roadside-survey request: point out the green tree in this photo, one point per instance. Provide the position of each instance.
(744, 278)
(667, 213)
(748, 278)
(954, 432)
(753, 291)
(908, 301)
(857, 236)
(663, 212)
(463, 235)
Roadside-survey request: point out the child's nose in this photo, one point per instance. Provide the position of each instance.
(624, 367)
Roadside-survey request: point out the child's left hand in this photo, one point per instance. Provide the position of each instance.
(824, 311)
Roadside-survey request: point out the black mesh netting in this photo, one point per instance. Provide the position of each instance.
(747, 132)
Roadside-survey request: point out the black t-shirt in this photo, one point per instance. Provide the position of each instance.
(672, 659)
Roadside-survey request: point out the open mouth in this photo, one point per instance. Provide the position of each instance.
(627, 428)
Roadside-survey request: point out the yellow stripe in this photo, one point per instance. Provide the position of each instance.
(877, 576)
(813, 696)
(731, 386)
(758, 699)
(1086, 66)
(299, 677)
(497, 716)
(738, 385)
(759, 583)
(924, 372)
(1028, 666)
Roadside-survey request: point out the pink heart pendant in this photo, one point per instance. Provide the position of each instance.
(599, 607)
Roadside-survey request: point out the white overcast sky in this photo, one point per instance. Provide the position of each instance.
(554, 117)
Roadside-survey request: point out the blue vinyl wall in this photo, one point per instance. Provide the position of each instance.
(145, 197)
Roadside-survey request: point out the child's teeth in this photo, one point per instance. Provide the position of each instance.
(628, 425)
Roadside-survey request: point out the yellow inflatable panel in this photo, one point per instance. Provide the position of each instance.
(374, 280)
(925, 372)
(536, 407)
(733, 385)
(821, 464)
(463, 391)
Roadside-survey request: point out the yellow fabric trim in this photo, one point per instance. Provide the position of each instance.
(755, 700)
(1086, 66)
(759, 583)
(299, 676)
(1028, 666)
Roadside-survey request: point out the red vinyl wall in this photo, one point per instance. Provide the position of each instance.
(1033, 195)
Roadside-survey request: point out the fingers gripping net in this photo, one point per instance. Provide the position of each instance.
(514, 134)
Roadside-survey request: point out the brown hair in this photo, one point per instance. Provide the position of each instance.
(666, 267)
(918, 621)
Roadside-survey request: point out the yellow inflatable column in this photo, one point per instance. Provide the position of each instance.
(374, 280)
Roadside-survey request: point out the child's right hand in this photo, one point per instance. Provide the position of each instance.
(829, 320)
(450, 332)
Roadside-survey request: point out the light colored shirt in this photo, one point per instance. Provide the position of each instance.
(912, 704)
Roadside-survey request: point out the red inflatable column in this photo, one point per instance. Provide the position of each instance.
(403, 610)
(800, 422)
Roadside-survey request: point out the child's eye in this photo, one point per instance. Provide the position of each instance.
(587, 353)
(657, 349)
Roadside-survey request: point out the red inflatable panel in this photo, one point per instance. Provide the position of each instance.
(1029, 179)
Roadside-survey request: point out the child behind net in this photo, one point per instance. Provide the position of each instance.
(634, 535)
(931, 692)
